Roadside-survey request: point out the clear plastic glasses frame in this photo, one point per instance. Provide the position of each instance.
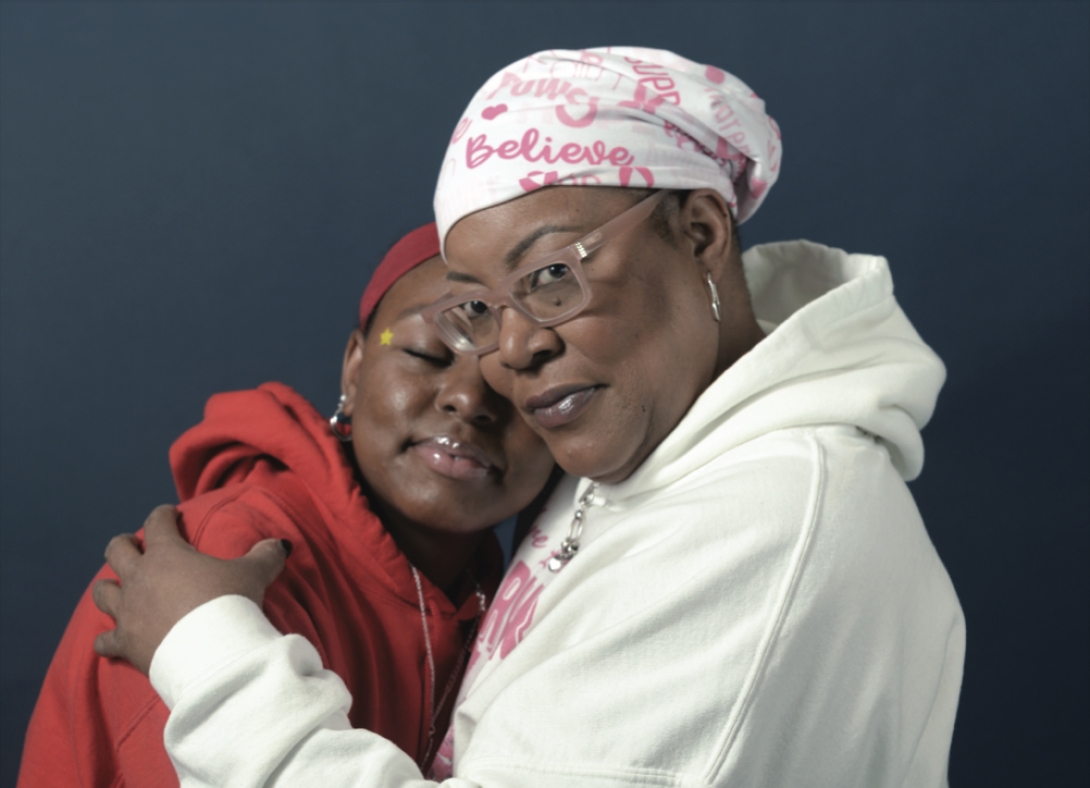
(453, 316)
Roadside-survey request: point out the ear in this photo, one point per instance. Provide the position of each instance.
(704, 220)
(350, 368)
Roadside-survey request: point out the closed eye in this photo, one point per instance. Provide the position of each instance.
(439, 361)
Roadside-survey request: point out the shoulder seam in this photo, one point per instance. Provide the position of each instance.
(233, 498)
(802, 552)
(135, 721)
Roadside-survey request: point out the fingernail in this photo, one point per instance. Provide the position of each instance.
(286, 545)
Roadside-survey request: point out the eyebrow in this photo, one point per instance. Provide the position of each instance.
(520, 248)
(517, 251)
(409, 312)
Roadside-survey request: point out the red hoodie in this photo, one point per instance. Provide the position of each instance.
(264, 463)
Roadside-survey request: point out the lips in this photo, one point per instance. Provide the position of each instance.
(559, 406)
(454, 459)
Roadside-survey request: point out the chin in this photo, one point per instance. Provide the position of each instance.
(451, 506)
(586, 457)
(462, 527)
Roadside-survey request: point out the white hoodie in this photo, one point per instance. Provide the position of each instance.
(757, 605)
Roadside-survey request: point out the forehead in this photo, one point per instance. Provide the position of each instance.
(420, 287)
(508, 234)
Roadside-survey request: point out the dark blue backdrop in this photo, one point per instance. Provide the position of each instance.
(194, 195)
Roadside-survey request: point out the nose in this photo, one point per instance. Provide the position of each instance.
(464, 393)
(523, 344)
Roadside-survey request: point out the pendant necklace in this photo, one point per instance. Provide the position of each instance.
(570, 546)
(434, 710)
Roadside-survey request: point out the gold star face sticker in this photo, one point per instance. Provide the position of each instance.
(385, 337)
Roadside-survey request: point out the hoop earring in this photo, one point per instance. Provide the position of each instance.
(341, 423)
(715, 296)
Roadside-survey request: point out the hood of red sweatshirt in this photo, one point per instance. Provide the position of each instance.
(275, 423)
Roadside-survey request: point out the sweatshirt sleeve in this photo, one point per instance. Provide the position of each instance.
(96, 721)
(224, 666)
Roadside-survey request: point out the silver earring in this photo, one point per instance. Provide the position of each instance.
(715, 296)
(341, 423)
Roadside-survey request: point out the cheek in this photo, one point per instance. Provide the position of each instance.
(620, 328)
(614, 344)
(385, 408)
(656, 365)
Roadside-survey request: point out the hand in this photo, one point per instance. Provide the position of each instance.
(160, 585)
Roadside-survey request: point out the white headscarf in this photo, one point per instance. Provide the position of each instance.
(613, 116)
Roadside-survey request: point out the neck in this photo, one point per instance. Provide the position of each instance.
(739, 332)
(440, 556)
(737, 345)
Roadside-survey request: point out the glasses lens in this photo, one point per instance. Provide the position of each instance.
(468, 326)
(550, 291)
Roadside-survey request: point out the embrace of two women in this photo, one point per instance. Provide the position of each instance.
(728, 584)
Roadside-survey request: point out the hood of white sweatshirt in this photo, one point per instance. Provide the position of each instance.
(838, 350)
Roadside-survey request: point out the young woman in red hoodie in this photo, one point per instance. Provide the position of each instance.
(385, 507)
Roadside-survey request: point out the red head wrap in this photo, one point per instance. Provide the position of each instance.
(416, 247)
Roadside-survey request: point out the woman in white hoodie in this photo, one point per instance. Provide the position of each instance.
(733, 586)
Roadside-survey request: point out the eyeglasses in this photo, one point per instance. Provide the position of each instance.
(548, 291)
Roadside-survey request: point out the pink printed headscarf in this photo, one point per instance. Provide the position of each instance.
(614, 116)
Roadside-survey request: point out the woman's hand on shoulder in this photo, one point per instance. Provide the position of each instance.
(165, 578)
